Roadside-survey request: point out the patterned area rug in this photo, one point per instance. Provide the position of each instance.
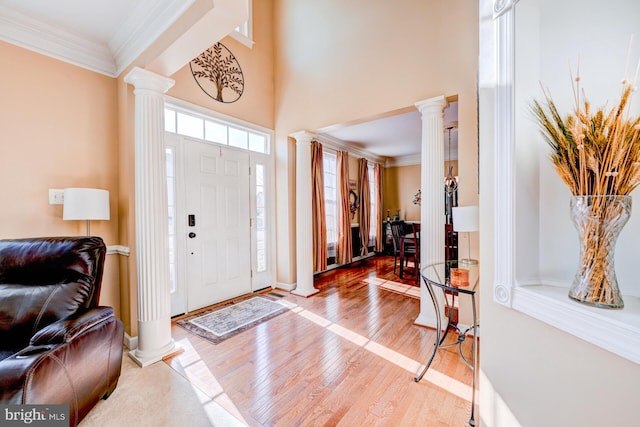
(220, 323)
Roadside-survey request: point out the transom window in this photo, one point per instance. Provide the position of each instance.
(211, 130)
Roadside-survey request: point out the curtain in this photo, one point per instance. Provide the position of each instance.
(318, 209)
(365, 205)
(377, 173)
(344, 250)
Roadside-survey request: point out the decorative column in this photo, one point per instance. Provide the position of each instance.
(152, 240)
(432, 233)
(304, 218)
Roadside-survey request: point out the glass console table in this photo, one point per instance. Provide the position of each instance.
(450, 280)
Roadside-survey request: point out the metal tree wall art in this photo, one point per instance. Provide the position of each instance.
(218, 74)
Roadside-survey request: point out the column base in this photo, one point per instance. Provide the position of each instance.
(286, 286)
(146, 358)
(307, 292)
(428, 313)
(425, 321)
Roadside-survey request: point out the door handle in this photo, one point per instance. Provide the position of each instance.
(192, 235)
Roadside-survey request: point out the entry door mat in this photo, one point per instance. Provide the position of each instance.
(220, 323)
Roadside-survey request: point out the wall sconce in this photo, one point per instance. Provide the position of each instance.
(465, 220)
(417, 198)
(86, 204)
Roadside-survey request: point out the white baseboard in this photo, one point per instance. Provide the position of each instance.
(130, 342)
(285, 286)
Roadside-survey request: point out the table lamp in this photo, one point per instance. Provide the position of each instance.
(85, 204)
(465, 220)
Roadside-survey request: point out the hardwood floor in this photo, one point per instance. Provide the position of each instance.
(345, 356)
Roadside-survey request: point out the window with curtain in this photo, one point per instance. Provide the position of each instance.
(331, 204)
(373, 203)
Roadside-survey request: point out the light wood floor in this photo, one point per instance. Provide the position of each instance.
(344, 356)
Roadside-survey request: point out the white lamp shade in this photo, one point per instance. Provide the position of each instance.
(465, 218)
(85, 203)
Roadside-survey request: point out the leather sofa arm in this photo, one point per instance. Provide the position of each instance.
(67, 329)
(75, 361)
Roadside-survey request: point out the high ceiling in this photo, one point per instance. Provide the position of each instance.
(93, 20)
(106, 36)
(396, 136)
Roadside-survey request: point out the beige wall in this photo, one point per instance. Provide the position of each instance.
(534, 374)
(256, 103)
(126, 205)
(401, 183)
(255, 106)
(333, 71)
(342, 61)
(59, 129)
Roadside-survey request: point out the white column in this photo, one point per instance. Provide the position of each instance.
(152, 241)
(432, 234)
(304, 218)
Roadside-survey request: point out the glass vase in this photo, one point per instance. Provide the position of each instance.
(599, 220)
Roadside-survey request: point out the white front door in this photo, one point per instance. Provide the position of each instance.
(218, 238)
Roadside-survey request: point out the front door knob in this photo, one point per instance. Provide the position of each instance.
(192, 235)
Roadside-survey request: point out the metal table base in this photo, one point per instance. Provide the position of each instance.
(440, 337)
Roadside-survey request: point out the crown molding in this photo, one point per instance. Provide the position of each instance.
(143, 24)
(142, 27)
(413, 159)
(21, 30)
(340, 145)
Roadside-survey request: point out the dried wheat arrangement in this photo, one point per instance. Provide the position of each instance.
(597, 154)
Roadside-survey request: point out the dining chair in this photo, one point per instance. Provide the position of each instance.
(416, 243)
(404, 245)
(397, 231)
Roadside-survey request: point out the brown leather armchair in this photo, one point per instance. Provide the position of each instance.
(57, 346)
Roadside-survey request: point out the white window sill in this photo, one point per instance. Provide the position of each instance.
(617, 331)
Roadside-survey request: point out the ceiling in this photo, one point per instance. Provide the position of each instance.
(395, 136)
(93, 20)
(106, 36)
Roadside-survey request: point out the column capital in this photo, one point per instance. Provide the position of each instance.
(145, 79)
(303, 136)
(431, 105)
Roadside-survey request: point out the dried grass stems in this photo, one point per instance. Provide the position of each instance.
(595, 153)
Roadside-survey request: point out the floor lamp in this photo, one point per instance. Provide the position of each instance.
(465, 220)
(85, 204)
